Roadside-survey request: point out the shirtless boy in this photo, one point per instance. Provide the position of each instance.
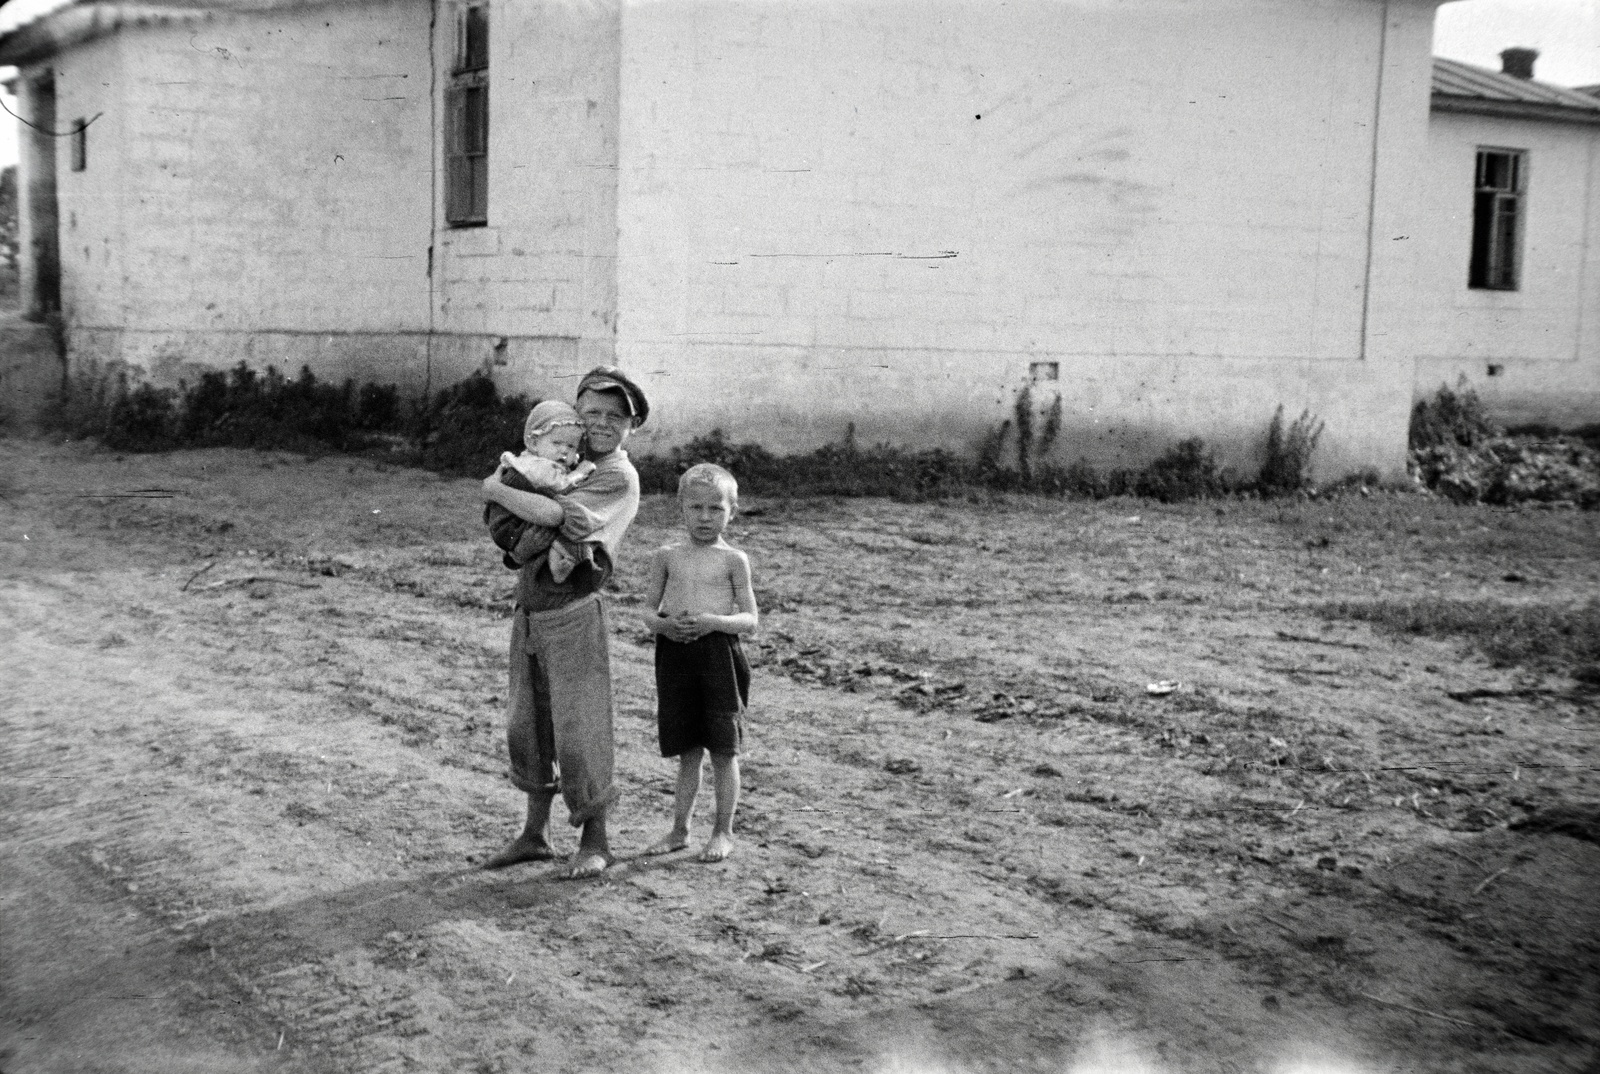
(700, 602)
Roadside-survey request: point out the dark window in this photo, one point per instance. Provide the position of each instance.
(466, 181)
(1497, 219)
(472, 40)
(80, 145)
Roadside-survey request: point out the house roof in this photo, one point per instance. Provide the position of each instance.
(1462, 87)
(74, 22)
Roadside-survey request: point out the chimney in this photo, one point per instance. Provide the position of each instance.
(1518, 62)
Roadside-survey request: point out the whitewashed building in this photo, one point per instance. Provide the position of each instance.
(1509, 298)
(790, 217)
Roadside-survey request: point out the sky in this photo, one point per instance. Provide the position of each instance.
(1566, 33)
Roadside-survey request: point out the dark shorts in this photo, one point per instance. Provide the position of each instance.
(702, 688)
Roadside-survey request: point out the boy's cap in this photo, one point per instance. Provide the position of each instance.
(609, 378)
(546, 416)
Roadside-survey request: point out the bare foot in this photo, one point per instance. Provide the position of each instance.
(586, 864)
(668, 843)
(719, 847)
(523, 848)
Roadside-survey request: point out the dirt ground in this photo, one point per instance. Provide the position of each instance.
(251, 746)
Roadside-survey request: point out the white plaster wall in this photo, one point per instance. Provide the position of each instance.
(883, 213)
(1544, 337)
(542, 273)
(272, 181)
(91, 86)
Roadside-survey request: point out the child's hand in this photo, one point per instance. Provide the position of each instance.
(690, 627)
(674, 627)
(492, 483)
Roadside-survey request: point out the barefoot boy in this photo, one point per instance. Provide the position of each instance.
(560, 707)
(700, 602)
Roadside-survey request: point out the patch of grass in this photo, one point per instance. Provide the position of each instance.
(1544, 637)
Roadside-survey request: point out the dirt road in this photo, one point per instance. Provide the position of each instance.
(252, 747)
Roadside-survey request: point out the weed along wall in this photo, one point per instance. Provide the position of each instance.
(848, 212)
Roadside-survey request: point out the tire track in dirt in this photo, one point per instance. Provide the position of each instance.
(342, 750)
(252, 768)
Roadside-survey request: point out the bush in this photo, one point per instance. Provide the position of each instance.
(1186, 472)
(1287, 467)
(143, 419)
(1457, 452)
(102, 402)
(83, 406)
(1508, 470)
(237, 408)
(464, 428)
(832, 470)
(1451, 418)
(242, 408)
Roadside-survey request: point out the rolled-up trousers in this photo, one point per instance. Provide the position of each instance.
(560, 707)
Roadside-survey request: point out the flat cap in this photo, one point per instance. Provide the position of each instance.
(608, 378)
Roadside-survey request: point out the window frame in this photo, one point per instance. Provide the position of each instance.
(1499, 215)
(466, 133)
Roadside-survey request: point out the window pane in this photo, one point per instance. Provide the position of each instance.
(457, 188)
(1482, 228)
(1496, 207)
(480, 187)
(1505, 243)
(1499, 171)
(474, 39)
(466, 136)
(454, 120)
(475, 120)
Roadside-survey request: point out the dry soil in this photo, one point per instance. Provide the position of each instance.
(251, 748)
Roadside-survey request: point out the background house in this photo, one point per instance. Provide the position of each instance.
(1510, 234)
(791, 219)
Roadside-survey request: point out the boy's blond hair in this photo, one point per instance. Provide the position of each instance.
(710, 475)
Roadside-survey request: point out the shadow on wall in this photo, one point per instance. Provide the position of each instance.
(31, 362)
(462, 429)
(1016, 456)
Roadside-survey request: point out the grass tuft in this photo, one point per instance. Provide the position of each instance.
(1544, 637)
(1287, 467)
